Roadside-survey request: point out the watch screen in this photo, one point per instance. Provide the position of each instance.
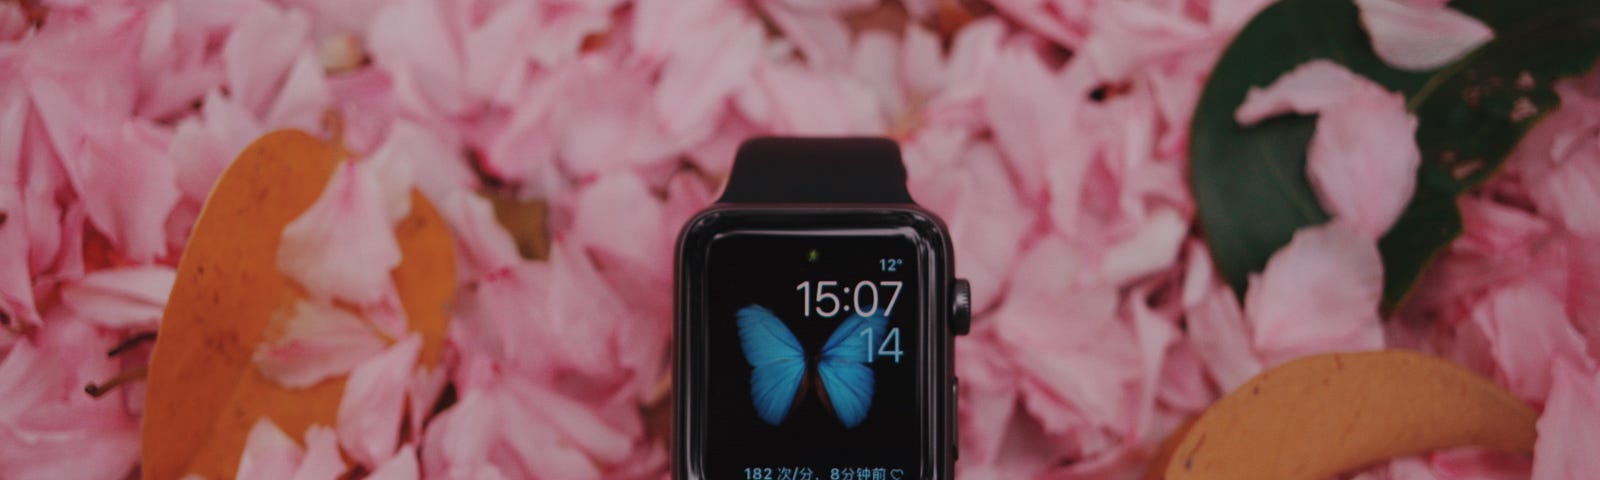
(812, 343)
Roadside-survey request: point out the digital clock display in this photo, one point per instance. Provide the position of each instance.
(812, 341)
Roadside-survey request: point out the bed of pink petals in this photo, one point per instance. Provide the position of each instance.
(1049, 135)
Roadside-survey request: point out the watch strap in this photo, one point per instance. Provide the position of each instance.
(817, 170)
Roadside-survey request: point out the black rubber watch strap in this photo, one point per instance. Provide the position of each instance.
(817, 170)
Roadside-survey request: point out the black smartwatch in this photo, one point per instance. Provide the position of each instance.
(816, 311)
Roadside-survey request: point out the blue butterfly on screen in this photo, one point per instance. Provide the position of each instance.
(780, 366)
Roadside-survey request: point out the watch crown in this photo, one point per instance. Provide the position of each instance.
(960, 307)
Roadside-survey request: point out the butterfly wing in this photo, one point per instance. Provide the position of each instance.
(779, 362)
(846, 378)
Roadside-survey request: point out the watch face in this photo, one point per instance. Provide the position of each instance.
(812, 348)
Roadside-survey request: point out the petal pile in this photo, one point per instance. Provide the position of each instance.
(1050, 135)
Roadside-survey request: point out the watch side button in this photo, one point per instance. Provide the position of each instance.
(955, 418)
(960, 307)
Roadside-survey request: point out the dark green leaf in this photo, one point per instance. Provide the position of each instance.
(1250, 184)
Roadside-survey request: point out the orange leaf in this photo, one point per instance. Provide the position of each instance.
(204, 392)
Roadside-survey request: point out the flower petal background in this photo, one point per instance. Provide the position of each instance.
(1049, 134)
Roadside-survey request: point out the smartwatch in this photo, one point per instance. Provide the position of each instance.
(815, 316)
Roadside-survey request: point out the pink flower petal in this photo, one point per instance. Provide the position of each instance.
(1420, 36)
(413, 155)
(823, 38)
(315, 342)
(259, 53)
(491, 317)
(304, 97)
(1569, 428)
(704, 72)
(988, 395)
(1492, 228)
(128, 187)
(422, 395)
(874, 64)
(1155, 333)
(322, 460)
(1309, 88)
(50, 429)
(13, 21)
(1529, 333)
(791, 100)
(1318, 294)
(1363, 160)
(205, 145)
(343, 246)
(1048, 339)
(371, 409)
(484, 242)
(1129, 37)
(122, 297)
(269, 454)
(988, 223)
(1028, 107)
(618, 215)
(353, 16)
(1220, 337)
(173, 60)
(403, 466)
(1480, 463)
(16, 286)
(597, 101)
(1569, 189)
(579, 423)
(1152, 248)
(922, 65)
(560, 38)
(413, 41)
(1183, 385)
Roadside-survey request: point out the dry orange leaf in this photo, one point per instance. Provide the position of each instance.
(204, 392)
(1323, 415)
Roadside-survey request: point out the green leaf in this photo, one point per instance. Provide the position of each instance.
(1250, 183)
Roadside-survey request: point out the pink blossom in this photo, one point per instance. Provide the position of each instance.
(1221, 337)
(269, 453)
(1556, 158)
(131, 297)
(304, 97)
(128, 189)
(817, 33)
(986, 219)
(260, 52)
(1310, 88)
(343, 246)
(1529, 334)
(489, 432)
(314, 342)
(705, 67)
(1025, 106)
(1363, 161)
(482, 243)
(786, 98)
(16, 287)
(1363, 158)
(50, 427)
(414, 42)
(403, 466)
(1420, 36)
(1569, 426)
(1318, 294)
(1051, 136)
(371, 408)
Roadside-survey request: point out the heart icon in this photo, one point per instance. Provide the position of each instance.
(897, 474)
